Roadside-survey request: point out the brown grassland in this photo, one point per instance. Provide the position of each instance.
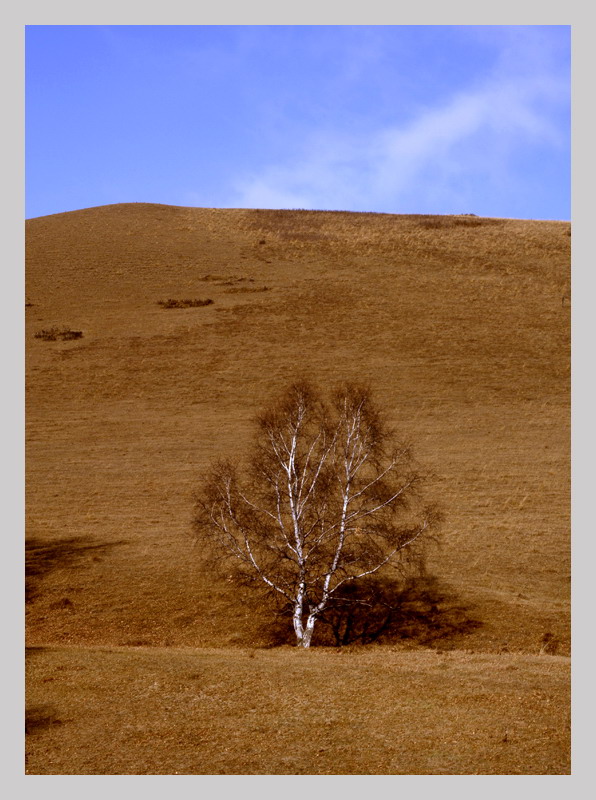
(140, 659)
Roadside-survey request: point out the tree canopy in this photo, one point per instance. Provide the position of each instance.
(329, 497)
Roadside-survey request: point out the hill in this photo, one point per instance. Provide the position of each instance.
(135, 383)
(461, 324)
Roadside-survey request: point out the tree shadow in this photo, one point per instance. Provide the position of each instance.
(38, 718)
(384, 610)
(43, 557)
(35, 650)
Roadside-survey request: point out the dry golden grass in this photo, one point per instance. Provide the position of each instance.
(377, 711)
(460, 324)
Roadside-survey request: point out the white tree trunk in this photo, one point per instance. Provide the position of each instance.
(308, 630)
(298, 626)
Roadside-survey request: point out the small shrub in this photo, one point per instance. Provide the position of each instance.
(54, 334)
(549, 644)
(64, 603)
(184, 303)
(137, 643)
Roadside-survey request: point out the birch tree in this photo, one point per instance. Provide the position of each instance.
(329, 497)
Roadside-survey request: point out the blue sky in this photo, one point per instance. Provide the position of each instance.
(398, 119)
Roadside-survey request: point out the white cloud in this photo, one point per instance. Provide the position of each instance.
(473, 134)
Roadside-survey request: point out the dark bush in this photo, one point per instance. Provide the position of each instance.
(54, 334)
(183, 303)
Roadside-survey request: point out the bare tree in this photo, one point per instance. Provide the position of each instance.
(326, 500)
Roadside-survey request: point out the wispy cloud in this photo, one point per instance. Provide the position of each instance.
(469, 137)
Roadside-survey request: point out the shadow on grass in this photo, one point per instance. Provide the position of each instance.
(35, 650)
(43, 557)
(422, 611)
(38, 718)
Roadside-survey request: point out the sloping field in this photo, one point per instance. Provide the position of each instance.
(460, 324)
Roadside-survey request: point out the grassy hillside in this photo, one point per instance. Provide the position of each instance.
(461, 325)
